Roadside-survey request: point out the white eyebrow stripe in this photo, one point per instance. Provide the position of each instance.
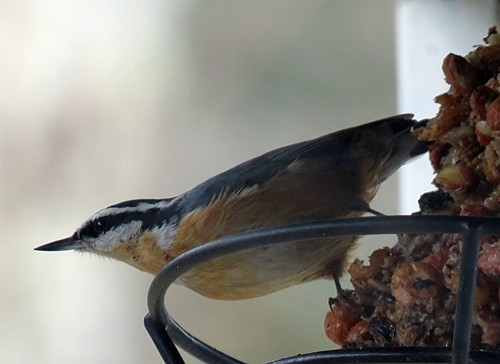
(142, 207)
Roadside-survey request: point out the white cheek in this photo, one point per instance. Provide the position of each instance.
(108, 241)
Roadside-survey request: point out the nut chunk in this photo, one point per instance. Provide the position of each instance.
(406, 295)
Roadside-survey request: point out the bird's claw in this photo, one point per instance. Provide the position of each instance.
(344, 297)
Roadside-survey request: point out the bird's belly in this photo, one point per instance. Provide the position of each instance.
(261, 271)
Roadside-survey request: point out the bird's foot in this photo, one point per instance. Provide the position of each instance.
(344, 297)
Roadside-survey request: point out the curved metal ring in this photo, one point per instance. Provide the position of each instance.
(164, 330)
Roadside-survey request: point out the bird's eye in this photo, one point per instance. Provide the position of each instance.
(94, 228)
(99, 226)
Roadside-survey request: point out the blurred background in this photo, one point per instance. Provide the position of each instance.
(106, 101)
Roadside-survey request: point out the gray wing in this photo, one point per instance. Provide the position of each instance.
(261, 169)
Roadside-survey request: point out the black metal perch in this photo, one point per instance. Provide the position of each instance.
(165, 331)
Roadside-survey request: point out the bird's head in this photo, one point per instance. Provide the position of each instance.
(137, 232)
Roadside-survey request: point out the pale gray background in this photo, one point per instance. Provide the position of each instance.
(104, 101)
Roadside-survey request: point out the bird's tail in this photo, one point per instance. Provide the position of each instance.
(386, 145)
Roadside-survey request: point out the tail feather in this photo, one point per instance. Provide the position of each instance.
(386, 145)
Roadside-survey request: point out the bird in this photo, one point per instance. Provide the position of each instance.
(333, 176)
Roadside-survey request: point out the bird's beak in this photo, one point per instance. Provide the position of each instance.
(63, 244)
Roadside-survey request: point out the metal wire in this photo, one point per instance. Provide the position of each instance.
(165, 331)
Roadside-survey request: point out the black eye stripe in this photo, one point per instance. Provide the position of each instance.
(99, 225)
(96, 227)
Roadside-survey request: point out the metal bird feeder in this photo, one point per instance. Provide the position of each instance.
(166, 333)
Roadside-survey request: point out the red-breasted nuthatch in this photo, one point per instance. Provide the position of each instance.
(336, 175)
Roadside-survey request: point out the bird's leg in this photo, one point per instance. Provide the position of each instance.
(374, 212)
(338, 288)
(364, 207)
(345, 297)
